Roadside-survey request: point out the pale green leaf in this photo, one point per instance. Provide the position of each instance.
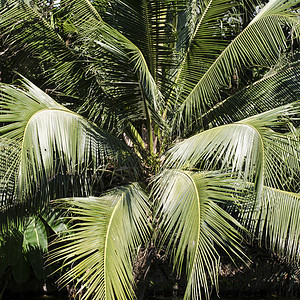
(194, 224)
(103, 246)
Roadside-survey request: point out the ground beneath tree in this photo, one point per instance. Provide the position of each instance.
(265, 276)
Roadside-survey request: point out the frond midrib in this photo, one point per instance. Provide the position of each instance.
(188, 49)
(189, 177)
(188, 98)
(107, 238)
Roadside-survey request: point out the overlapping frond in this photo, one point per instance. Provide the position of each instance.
(275, 223)
(193, 224)
(150, 26)
(281, 156)
(24, 26)
(113, 73)
(268, 93)
(104, 44)
(263, 149)
(28, 31)
(106, 235)
(233, 146)
(120, 56)
(260, 43)
(282, 223)
(47, 142)
(204, 42)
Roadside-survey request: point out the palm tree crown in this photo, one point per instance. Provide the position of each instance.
(160, 132)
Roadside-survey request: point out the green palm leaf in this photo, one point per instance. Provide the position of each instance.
(204, 41)
(100, 38)
(276, 222)
(45, 139)
(280, 144)
(275, 89)
(106, 235)
(265, 40)
(193, 223)
(148, 25)
(38, 37)
(248, 147)
(234, 146)
(27, 30)
(119, 63)
(281, 222)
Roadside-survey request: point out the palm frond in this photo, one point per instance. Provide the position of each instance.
(204, 42)
(27, 30)
(268, 93)
(38, 37)
(266, 39)
(280, 141)
(276, 222)
(150, 26)
(50, 143)
(263, 149)
(192, 223)
(106, 235)
(29, 33)
(99, 40)
(234, 146)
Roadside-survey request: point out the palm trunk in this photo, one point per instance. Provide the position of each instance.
(141, 269)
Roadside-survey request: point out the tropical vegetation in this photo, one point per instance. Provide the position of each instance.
(171, 125)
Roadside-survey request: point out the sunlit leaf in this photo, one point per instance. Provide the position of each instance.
(106, 235)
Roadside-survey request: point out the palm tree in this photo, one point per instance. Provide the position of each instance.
(162, 135)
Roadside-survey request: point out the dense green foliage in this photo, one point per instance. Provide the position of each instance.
(168, 123)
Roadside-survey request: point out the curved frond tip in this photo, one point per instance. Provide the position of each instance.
(52, 140)
(194, 224)
(105, 237)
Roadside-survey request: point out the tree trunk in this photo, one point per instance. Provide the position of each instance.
(141, 269)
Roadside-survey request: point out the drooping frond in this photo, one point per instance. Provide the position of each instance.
(38, 38)
(282, 222)
(104, 242)
(28, 34)
(47, 143)
(280, 139)
(260, 43)
(234, 146)
(26, 30)
(263, 149)
(276, 222)
(105, 73)
(194, 225)
(150, 25)
(104, 44)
